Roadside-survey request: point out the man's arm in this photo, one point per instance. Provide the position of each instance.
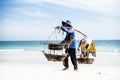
(64, 29)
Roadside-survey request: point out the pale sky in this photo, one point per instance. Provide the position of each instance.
(36, 19)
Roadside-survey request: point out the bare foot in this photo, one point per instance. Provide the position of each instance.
(75, 69)
(65, 69)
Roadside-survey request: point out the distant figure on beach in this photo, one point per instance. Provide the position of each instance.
(71, 44)
(87, 48)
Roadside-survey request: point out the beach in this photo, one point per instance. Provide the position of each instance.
(30, 27)
(32, 65)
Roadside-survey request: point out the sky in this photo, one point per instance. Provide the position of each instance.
(36, 19)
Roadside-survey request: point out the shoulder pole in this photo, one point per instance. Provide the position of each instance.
(80, 32)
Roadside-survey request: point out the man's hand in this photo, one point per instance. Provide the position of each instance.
(65, 54)
(58, 27)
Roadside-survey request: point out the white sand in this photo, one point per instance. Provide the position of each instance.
(32, 65)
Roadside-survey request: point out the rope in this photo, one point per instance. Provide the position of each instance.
(49, 38)
(55, 34)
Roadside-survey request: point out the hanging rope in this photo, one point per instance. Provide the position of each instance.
(55, 34)
(48, 39)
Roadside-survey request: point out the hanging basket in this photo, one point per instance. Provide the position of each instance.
(85, 61)
(52, 46)
(52, 57)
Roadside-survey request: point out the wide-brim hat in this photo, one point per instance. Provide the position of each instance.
(66, 22)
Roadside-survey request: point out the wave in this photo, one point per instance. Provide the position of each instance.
(115, 50)
(11, 49)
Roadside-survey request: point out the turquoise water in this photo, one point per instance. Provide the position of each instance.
(101, 45)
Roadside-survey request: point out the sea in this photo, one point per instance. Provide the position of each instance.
(101, 45)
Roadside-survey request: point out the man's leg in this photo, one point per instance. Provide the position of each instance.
(65, 61)
(73, 58)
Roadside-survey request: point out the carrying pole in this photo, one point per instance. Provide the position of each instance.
(80, 32)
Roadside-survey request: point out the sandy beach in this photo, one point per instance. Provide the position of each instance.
(32, 65)
(30, 27)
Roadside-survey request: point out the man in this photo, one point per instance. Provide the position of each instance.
(71, 48)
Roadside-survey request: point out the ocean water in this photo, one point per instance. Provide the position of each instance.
(101, 45)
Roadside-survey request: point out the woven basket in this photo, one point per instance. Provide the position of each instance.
(52, 46)
(85, 61)
(52, 57)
